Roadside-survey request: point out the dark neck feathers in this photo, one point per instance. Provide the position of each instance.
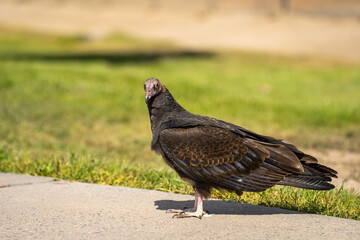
(163, 107)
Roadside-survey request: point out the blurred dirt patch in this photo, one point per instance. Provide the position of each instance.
(201, 24)
(347, 164)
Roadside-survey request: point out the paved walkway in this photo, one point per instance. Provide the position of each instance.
(42, 208)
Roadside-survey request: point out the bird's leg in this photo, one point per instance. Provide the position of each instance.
(197, 211)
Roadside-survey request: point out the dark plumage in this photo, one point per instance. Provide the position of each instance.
(210, 153)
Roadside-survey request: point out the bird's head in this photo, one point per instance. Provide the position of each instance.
(153, 87)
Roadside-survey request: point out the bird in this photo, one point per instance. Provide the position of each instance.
(210, 153)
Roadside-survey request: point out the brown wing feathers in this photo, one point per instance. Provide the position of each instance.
(217, 155)
(205, 146)
(224, 159)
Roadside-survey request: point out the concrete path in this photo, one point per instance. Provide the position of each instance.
(42, 208)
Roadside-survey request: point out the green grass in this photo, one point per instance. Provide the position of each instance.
(337, 202)
(74, 108)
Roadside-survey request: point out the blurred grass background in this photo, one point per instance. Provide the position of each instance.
(74, 108)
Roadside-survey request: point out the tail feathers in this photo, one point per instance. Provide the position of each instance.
(322, 169)
(315, 176)
(307, 182)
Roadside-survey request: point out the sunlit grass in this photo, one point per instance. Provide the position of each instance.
(338, 202)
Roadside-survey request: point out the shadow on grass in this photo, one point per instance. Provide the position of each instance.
(110, 57)
(224, 207)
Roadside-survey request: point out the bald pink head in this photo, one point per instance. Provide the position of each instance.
(153, 87)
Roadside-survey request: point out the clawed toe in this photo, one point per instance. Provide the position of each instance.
(174, 211)
(191, 214)
(185, 209)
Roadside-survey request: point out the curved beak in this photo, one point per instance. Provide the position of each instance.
(147, 98)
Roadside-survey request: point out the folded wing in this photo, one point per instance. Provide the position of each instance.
(222, 158)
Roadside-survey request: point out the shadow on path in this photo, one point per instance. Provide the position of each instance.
(223, 207)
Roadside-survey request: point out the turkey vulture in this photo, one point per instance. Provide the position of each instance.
(210, 153)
